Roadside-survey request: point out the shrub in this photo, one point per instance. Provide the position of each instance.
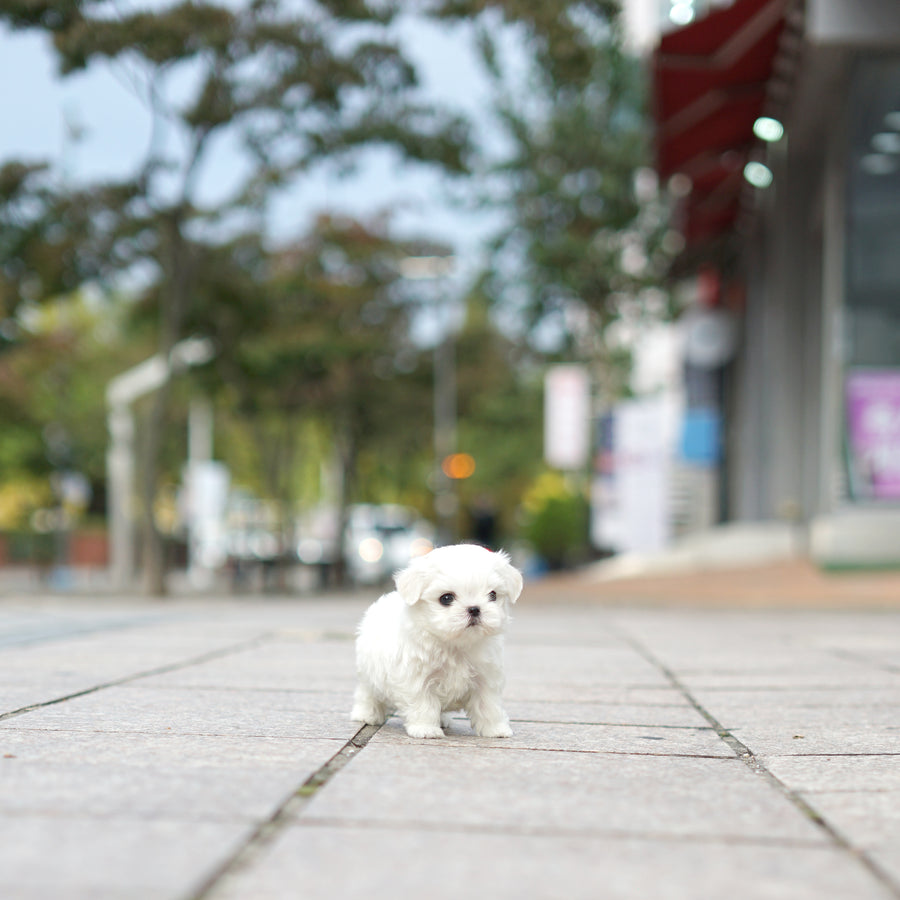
(556, 520)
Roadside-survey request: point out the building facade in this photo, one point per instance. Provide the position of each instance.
(780, 122)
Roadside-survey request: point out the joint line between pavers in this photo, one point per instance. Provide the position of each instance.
(290, 809)
(746, 755)
(137, 676)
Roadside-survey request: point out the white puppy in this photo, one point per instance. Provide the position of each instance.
(435, 645)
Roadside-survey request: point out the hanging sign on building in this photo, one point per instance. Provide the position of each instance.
(710, 337)
(873, 431)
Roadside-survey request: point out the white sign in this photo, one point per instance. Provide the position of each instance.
(208, 484)
(567, 417)
(631, 500)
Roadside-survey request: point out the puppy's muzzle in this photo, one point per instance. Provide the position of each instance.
(474, 614)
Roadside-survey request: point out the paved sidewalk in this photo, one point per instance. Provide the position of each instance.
(201, 749)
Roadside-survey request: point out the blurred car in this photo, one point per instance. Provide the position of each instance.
(380, 539)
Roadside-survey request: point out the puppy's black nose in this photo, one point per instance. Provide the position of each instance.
(474, 611)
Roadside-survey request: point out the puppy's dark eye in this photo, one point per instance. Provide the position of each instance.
(492, 595)
(447, 599)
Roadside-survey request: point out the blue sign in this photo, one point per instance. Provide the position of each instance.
(701, 437)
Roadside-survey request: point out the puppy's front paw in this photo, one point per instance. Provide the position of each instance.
(423, 730)
(368, 715)
(497, 730)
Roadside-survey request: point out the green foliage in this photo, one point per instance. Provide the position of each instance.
(556, 521)
(580, 237)
(562, 36)
(40, 240)
(52, 390)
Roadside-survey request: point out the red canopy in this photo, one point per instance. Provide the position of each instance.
(710, 85)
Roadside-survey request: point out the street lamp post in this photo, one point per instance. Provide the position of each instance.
(432, 268)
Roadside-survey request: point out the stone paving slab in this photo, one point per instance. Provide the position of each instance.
(870, 818)
(818, 677)
(198, 711)
(657, 753)
(186, 752)
(557, 668)
(800, 735)
(115, 791)
(559, 791)
(887, 855)
(534, 689)
(836, 773)
(675, 714)
(52, 857)
(384, 864)
(824, 723)
(278, 665)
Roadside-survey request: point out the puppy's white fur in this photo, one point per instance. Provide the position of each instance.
(424, 658)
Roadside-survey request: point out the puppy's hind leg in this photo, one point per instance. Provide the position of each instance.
(366, 707)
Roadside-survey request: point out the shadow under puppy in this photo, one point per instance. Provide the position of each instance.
(435, 645)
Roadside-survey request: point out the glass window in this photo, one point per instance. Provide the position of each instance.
(872, 376)
(873, 233)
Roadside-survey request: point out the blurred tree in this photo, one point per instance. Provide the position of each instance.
(294, 86)
(40, 239)
(585, 225)
(318, 331)
(52, 388)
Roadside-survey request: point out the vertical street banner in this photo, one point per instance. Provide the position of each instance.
(567, 417)
(873, 432)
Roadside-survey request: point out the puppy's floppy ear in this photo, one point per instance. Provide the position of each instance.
(412, 581)
(512, 577)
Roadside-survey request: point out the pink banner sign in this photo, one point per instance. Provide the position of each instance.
(873, 424)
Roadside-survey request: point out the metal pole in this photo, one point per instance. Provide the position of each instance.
(445, 500)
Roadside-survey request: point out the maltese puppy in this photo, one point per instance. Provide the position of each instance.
(435, 645)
